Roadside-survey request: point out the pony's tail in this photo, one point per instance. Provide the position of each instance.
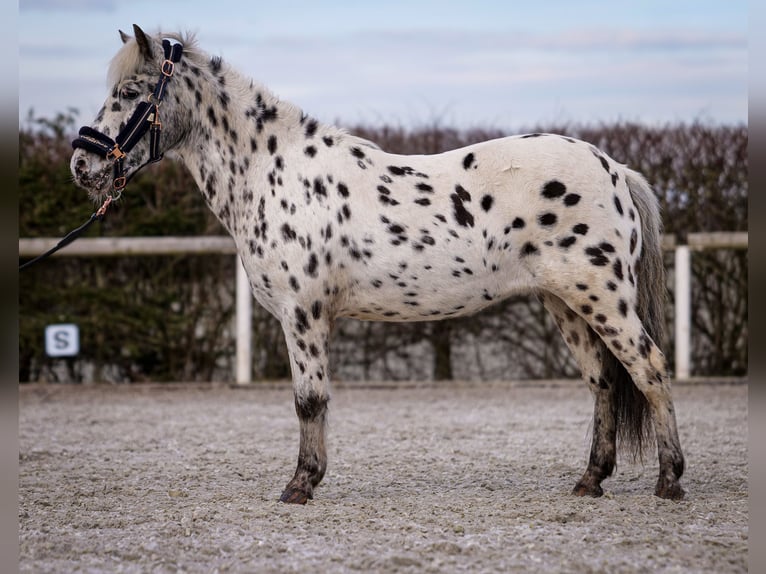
(630, 406)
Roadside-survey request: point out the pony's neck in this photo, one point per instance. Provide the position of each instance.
(232, 123)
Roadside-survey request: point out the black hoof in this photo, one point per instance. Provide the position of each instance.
(669, 490)
(294, 495)
(582, 488)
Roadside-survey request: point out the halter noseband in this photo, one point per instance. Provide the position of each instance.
(145, 118)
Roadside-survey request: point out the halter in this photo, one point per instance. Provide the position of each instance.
(145, 118)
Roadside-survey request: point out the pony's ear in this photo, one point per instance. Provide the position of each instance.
(144, 43)
(124, 37)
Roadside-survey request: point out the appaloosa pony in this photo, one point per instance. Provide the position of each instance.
(329, 225)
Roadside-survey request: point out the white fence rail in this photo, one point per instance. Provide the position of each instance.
(111, 246)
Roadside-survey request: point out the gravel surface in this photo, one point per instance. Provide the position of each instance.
(456, 478)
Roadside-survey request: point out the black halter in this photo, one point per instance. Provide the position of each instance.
(145, 118)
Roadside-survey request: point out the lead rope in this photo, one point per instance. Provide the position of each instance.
(99, 215)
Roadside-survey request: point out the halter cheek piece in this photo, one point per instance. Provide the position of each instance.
(145, 118)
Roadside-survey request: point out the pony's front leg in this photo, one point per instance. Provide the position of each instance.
(307, 335)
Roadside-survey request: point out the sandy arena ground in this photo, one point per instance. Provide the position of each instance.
(452, 478)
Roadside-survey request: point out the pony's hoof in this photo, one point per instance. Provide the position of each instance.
(293, 495)
(584, 489)
(669, 490)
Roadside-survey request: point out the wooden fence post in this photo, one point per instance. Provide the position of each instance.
(244, 321)
(683, 310)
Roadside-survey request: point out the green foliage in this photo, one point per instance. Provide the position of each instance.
(170, 318)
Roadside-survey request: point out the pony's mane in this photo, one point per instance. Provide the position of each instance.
(128, 60)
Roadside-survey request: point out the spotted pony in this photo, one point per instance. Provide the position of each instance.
(329, 225)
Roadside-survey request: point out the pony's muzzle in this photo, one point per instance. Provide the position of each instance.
(90, 172)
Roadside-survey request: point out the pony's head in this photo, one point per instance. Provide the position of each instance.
(135, 102)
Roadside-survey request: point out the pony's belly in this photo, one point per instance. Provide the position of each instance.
(439, 300)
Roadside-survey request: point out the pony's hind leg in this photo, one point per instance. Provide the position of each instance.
(626, 338)
(589, 351)
(307, 335)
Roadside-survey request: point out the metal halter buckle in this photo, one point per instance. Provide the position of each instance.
(168, 67)
(115, 153)
(118, 183)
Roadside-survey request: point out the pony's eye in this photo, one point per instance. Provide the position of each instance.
(128, 94)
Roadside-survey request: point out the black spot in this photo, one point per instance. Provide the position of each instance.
(622, 305)
(486, 202)
(547, 219)
(271, 144)
(644, 345)
(567, 241)
(357, 153)
(223, 97)
(593, 251)
(468, 161)
(618, 204)
(319, 187)
(311, 267)
(423, 201)
(288, 233)
(571, 199)
(342, 189)
(385, 200)
(311, 128)
(294, 283)
(607, 247)
(597, 257)
(116, 107)
(316, 309)
(600, 318)
(310, 151)
(462, 193)
(604, 163)
(529, 249)
(462, 215)
(611, 285)
(553, 189)
(586, 309)
(633, 240)
(210, 186)
(581, 286)
(328, 141)
(395, 170)
(518, 223)
(215, 64)
(580, 228)
(424, 187)
(617, 267)
(211, 116)
(301, 320)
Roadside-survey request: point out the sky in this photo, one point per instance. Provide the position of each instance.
(484, 63)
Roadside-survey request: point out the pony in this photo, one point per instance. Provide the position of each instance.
(329, 225)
